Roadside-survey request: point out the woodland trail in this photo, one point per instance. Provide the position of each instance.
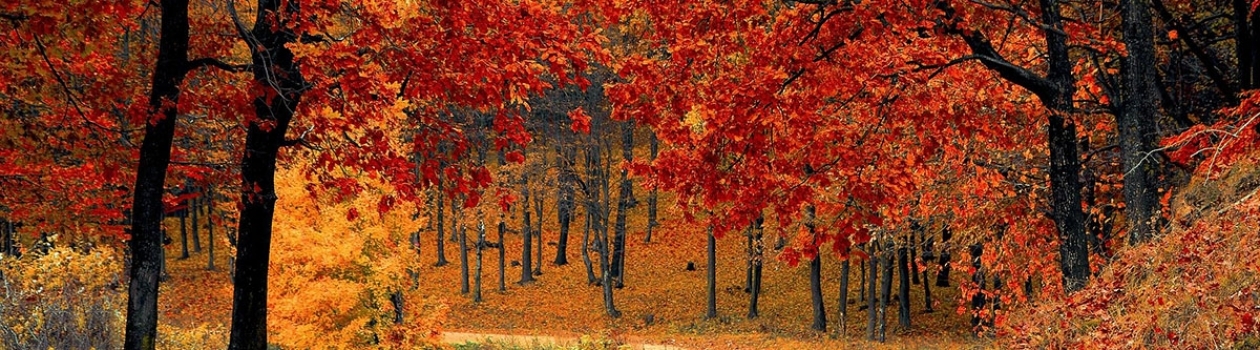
(527, 340)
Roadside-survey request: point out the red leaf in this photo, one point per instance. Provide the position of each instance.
(581, 121)
(515, 157)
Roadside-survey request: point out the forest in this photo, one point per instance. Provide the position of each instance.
(609, 174)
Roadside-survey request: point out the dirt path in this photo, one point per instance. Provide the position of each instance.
(528, 340)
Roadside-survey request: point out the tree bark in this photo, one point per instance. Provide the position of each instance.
(711, 276)
(625, 201)
(903, 294)
(155, 156)
(502, 253)
(885, 291)
(538, 237)
(196, 237)
(183, 235)
(527, 240)
(441, 239)
(210, 227)
(1055, 90)
(757, 259)
(1137, 118)
(977, 300)
(653, 146)
(843, 313)
(942, 276)
(274, 67)
(565, 200)
(481, 246)
(1245, 49)
(872, 311)
(464, 288)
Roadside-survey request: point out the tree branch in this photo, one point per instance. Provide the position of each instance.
(216, 63)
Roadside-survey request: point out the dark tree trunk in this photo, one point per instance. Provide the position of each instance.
(653, 146)
(183, 235)
(625, 201)
(927, 287)
(711, 276)
(914, 254)
(527, 239)
(815, 270)
(195, 206)
(1055, 90)
(872, 311)
(274, 66)
(586, 250)
(903, 294)
(464, 288)
(1065, 188)
(757, 260)
(750, 253)
(441, 239)
(481, 247)
(502, 252)
(1137, 118)
(977, 300)
(843, 312)
(538, 237)
(396, 299)
(862, 284)
(210, 215)
(885, 293)
(155, 155)
(1246, 50)
(942, 277)
(565, 205)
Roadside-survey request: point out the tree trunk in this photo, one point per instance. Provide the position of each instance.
(903, 295)
(625, 201)
(1245, 47)
(1055, 91)
(942, 276)
(885, 292)
(843, 313)
(538, 237)
(481, 246)
(862, 283)
(653, 146)
(872, 311)
(195, 207)
(757, 259)
(914, 254)
(927, 287)
(183, 235)
(274, 67)
(463, 259)
(527, 240)
(565, 205)
(711, 276)
(396, 299)
(1065, 189)
(155, 156)
(441, 239)
(586, 249)
(502, 252)
(977, 300)
(1137, 118)
(815, 276)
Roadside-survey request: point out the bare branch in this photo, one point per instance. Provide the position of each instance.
(214, 62)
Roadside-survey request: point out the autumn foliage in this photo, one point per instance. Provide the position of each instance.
(312, 174)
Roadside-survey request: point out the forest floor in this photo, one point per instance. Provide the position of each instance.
(560, 304)
(662, 303)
